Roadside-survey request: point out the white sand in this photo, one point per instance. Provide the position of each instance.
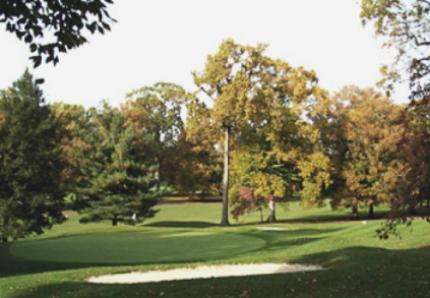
(202, 272)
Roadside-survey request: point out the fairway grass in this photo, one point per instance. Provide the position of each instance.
(356, 262)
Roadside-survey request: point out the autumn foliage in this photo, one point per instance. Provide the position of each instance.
(258, 131)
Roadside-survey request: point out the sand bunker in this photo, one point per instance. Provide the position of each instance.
(201, 272)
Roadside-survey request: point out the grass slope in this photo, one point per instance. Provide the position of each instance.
(357, 263)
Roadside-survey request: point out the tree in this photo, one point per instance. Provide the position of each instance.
(403, 24)
(280, 161)
(196, 163)
(418, 148)
(120, 170)
(158, 110)
(373, 130)
(259, 181)
(51, 27)
(75, 125)
(414, 187)
(329, 120)
(262, 176)
(225, 80)
(257, 101)
(404, 27)
(245, 85)
(185, 154)
(30, 197)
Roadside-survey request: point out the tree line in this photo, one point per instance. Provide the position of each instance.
(256, 131)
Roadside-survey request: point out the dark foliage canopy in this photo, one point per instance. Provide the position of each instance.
(30, 197)
(50, 27)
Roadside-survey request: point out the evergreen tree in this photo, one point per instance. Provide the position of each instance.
(30, 164)
(121, 170)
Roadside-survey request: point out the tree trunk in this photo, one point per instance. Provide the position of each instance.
(115, 220)
(261, 215)
(4, 236)
(272, 209)
(158, 160)
(354, 212)
(428, 203)
(224, 217)
(157, 177)
(371, 212)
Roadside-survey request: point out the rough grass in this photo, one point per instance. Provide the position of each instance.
(357, 263)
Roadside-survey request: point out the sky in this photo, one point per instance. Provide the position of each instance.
(165, 40)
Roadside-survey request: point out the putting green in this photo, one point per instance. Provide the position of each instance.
(136, 247)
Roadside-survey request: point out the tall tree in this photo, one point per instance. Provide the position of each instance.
(373, 130)
(246, 87)
(55, 26)
(120, 170)
(280, 161)
(415, 188)
(75, 124)
(159, 110)
(403, 25)
(30, 197)
(196, 162)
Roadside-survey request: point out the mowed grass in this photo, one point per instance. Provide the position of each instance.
(356, 262)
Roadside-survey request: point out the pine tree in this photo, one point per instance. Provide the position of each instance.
(121, 170)
(30, 166)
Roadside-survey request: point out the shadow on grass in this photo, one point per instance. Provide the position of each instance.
(350, 272)
(296, 232)
(204, 224)
(13, 266)
(325, 218)
(199, 224)
(322, 218)
(336, 218)
(182, 224)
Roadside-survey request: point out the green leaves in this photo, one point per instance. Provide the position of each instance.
(63, 22)
(244, 84)
(263, 103)
(403, 26)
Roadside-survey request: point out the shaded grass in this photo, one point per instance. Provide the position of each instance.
(182, 224)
